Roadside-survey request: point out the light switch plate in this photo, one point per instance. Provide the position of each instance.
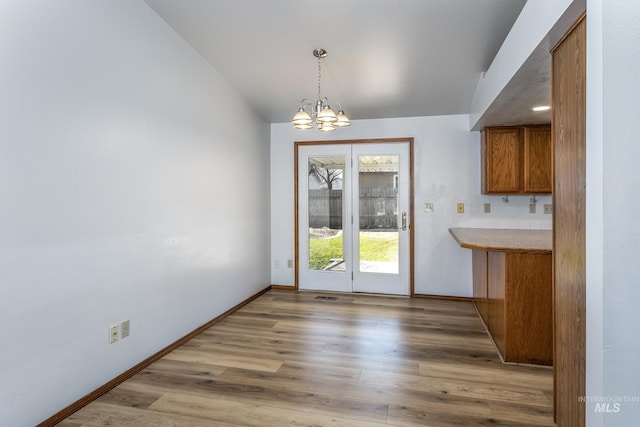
(487, 208)
(113, 334)
(460, 208)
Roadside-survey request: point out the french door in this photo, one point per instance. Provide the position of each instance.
(353, 217)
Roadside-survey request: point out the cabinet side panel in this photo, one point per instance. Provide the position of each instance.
(479, 260)
(569, 164)
(496, 295)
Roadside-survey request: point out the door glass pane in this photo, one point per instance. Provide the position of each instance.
(378, 234)
(326, 245)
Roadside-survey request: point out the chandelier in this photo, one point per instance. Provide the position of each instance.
(326, 119)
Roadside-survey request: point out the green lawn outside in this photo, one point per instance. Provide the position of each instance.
(372, 248)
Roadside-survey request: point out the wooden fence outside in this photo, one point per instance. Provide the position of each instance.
(378, 208)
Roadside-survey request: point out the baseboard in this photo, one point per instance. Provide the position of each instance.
(84, 401)
(443, 297)
(284, 287)
(429, 296)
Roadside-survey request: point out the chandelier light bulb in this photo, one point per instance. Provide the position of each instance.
(301, 118)
(325, 127)
(342, 120)
(303, 126)
(327, 115)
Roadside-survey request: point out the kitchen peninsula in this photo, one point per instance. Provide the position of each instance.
(512, 289)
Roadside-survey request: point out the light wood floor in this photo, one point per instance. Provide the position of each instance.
(300, 359)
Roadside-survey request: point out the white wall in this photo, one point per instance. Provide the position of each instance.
(128, 190)
(447, 171)
(594, 207)
(613, 201)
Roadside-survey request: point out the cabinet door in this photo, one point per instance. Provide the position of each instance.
(529, 311)
(501, 152)
(479, 259)
(537, 159)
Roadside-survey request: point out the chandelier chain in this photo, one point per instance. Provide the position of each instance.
(319, 76)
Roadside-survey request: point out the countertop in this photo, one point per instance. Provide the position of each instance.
(504, 240)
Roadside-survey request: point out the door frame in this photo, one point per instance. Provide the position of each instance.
(296, 236)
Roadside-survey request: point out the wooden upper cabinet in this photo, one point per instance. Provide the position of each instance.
(516, 159)
(501, 153)
(537, 159)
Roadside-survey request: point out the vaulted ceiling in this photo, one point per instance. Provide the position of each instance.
(386, 58)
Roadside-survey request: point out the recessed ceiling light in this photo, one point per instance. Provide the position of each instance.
(541, 108)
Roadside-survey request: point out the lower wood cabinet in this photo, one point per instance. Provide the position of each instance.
(512, 292)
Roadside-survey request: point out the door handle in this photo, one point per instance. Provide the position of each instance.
(404, 221)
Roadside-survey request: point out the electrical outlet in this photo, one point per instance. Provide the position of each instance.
(487, 208)
(124, 328)
(428, 207)
(113, 334)
(460, 208)
(532, 208)
(548, 209)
